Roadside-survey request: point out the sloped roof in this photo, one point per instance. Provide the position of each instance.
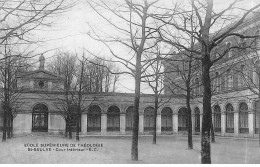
(40, 74)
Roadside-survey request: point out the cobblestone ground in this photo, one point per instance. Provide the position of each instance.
(170, 149)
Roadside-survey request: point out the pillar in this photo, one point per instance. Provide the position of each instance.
(122, 123)
(223, 123)
(251, 123)
(141, 122)
(201, 117)
(49, 86)
(158, 124)
(236, 123)
(193, 123)
(103, 123)
(84, 123)
(175, 123)
(32, 84)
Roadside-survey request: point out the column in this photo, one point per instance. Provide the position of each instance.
(141, 122)
(193, 123)
(103, 123)
(251, 122)
(84, 123)
(158, 124)
(201, 117)
(175, 123)
(122, 123)
(236, 122)
(223, 123)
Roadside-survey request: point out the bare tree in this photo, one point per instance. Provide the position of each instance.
(133, 33)
(207, 20)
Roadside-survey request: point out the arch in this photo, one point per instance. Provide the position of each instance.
(217, 118)
(166, 116)
(183, 119)
(229, 118)
(94, 118)
(197, 119)
(243, 118)
(113, 118)
(256, 115)
(148, 119)
(40, 118)
(129, 118)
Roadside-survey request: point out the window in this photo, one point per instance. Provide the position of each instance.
(113, 118)
(40, 118)
(243, 118)
(197, 119)
(216, 83)
(41, 84)
(241, 76)
(94, 118)
(183, 119)
(228, 46)
(230, 118)
(217, 118)
(148, 118)
(166, 119)
(229, 80)
(129, 118)
(197, 87)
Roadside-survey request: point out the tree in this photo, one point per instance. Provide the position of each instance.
(207, 20)
(132, 33)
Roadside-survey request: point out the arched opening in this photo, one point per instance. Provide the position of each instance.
(197, 119)
(40, 118)
(148, 119)
(73, 118)
(243, 118)
(256, 114)
(129, 118)
(113, 118)
(217, 118)
(166, 117)
(183, 119)
(230, 118)
(94, 118)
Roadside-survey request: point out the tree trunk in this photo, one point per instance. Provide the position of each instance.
(190, 143)
(134, 148)
(206, 119)
(77, 128)
(4, 126)
(70, 131)
(9, 125)
(12, 123)
(155, 117)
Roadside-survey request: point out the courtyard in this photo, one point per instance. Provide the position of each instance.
(116, 149)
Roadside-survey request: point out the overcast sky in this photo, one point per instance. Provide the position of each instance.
(69, 33)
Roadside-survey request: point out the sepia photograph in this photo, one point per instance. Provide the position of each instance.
(129, 81)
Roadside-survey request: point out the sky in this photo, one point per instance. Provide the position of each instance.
(69, 33)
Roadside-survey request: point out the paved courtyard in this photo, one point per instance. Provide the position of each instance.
(170, 149)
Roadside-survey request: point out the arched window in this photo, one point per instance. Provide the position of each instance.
(197, 119)
(40, 118)
(216, 83)
(166, 119)
(94, 118)
(183, 119)
(129, 118)
(148, 118)
(256, 110)
(217, 118)
(113, 118)
(230, 118)
(243, 118)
